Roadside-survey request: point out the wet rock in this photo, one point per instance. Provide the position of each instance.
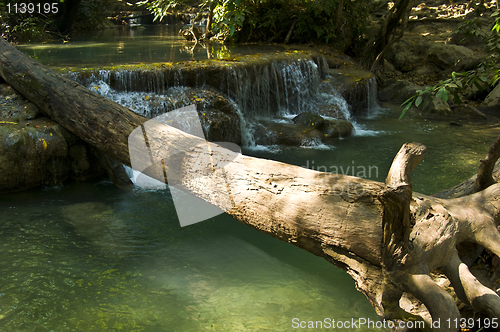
(398, 90)
(13, 107)
(331, 110)
(337, 128)
(218, 115)
(493, 98)
(219, 126)
(309, 119)
(445, 56)
(34, 153)
(303, 132)
(286, 134)
(114, 168)
(34, 150)
(354, 86)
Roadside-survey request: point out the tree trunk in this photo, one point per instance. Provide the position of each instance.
(391, 31)
(66, 15)
(211, 6)
(388, 238)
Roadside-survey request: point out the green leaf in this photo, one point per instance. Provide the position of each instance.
(404, 111)
(443, 94)
(409, 100)
(418, 101)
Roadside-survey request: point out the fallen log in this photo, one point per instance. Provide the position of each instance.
(387, 237)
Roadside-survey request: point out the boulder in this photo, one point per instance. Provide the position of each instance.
(437, 107)
(219, 116)
(219, 126)
(331, 110)
(398, 91)
(406, 55)
(337, 128)
(13, 107)
(445, 56)
(406, 61)
(422, 71)
(309, 119)
(303, 132)
(35, 151)
(273, 133)
(493, 98)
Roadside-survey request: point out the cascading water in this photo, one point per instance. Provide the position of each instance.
(271, 91)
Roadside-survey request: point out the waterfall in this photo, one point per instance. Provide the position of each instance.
(274, 90)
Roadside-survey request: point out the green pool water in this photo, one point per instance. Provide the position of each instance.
(91, 257)
(123, 45)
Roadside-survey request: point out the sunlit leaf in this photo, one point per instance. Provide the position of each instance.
(404, 111)
(418, 101)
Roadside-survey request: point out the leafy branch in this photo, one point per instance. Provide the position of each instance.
(450, 89)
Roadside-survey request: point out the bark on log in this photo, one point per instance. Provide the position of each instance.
(386, 237)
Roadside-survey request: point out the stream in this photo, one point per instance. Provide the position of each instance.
(91, 257)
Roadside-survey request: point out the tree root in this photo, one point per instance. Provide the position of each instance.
(421, 235)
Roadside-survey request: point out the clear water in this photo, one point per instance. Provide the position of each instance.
(149, 44)
(91, 257)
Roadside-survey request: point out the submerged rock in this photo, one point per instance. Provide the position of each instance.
(307, 129)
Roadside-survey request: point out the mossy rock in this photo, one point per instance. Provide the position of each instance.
(309, 119)
(13, 107)
(337, 128)
(36, 152)
(286, 134)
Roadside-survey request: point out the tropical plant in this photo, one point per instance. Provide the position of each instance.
(161, 8)
(485, 76)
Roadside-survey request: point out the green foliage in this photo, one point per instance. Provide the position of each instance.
(161, 8)
(318, 21)
(228, 16)
(493, 42)
(321, 21)
(92, 13)
(21, 25)
(474, 27)
(450, 89)
(485, 75)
